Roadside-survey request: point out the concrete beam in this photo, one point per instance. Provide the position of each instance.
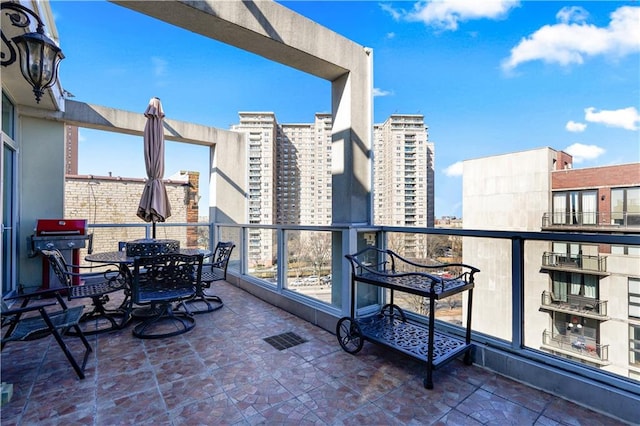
(271, 30)
(265, 28)
(114, 120)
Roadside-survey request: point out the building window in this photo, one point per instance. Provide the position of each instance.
(625, 206)
(634, 345)
(634, 297)
(8, 114)
(575, 208)
(566, 284)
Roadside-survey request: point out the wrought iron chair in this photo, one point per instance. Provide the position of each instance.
(30, 322)
(97, 286)
(161, 281)
(215, 270)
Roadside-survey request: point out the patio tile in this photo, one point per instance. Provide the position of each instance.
(224, 373)
(218, 410)
(257, 396)
(288, 413)
(332, 401)
(489, 408)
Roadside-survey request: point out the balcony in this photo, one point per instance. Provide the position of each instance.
(223, 372)
(511, 351)
(575, 347)
(576, 263)
(583, 306)
(596, 222)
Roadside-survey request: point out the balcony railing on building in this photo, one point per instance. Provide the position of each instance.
(599, 220)
(574, 304)
(568, 261)
(575, 346)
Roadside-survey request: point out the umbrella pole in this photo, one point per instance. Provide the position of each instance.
(153, 230)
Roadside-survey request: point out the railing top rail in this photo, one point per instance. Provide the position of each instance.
(628, 238)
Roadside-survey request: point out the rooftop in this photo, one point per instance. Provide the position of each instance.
(224, 372)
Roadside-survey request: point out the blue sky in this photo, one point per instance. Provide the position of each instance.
(490, 77)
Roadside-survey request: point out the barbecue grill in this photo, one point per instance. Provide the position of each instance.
(66, 235)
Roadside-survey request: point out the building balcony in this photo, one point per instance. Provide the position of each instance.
(580, 305)
(598, 222)
(570, 262)
(575, 347)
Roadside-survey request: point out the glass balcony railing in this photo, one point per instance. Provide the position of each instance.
(514, 313)
(575, 305)
(563, 220)
(566, 261)
(580, 348)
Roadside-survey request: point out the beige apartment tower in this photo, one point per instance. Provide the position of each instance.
(290, 174)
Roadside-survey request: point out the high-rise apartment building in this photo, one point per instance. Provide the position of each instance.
(290, 173)
(582, 300)
(262, 130)
(71, 150)
(303, 164)
(403, 172)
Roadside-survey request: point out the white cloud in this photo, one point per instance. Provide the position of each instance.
(626, 118)
(572, 39)
(395, 14)
(446, 14)
(380, 92)
(572, 126)
(570, 14)
(581, 152)
(454, 170)
(159, 66)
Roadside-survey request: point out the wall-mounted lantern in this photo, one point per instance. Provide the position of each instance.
(39, 55)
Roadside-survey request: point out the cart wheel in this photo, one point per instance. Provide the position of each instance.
(349, 335)
(390, 310)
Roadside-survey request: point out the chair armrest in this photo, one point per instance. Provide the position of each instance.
(30, 308)
(37, 293)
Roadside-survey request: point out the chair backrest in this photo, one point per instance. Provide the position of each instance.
(58, 265)
(221, 255)
(165, 277)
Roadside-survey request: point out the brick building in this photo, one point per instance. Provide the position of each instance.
(114, 200)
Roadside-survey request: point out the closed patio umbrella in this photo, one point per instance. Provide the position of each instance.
(154, 204)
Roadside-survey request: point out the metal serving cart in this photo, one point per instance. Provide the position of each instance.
(390, 326)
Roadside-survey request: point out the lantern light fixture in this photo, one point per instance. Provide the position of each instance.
(39, 55)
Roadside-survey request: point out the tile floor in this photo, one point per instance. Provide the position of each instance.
(224, 373)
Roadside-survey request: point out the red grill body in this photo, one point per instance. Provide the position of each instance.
(68, 236)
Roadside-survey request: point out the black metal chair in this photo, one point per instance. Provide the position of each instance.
(30, 322)
(96, 285)
(215, 270)
(161, 281)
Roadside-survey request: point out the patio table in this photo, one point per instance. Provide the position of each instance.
(121, 258)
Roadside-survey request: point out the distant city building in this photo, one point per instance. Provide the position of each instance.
(582, 301)
(403, 189)
(71, 150)
(290, 174)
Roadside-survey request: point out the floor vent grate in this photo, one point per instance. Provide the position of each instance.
(284, 340)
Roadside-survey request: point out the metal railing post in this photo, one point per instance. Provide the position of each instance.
(517, 292)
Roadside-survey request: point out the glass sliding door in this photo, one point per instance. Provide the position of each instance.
(8, 214)
(8, 247)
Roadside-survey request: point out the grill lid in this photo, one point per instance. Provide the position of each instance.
(51, 227)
